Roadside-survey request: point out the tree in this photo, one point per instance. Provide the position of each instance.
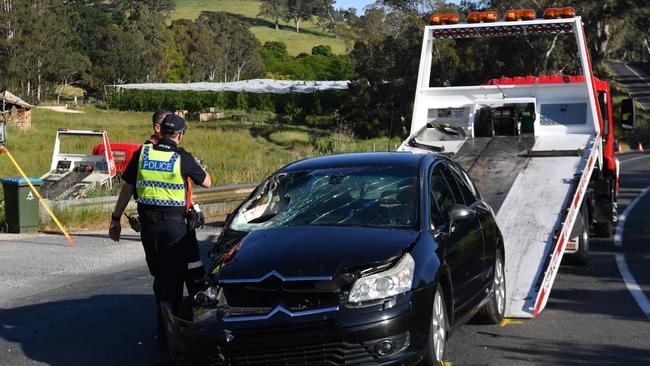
(38, 45)
(150, 25)
(240, 47)
(156, 6)
(301, 10)
(273, 9)
(119, 56)
(387, 68)
(72, 68)
(204, 56)
(328, 16)
(174, 65)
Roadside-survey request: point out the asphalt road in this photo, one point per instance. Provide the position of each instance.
(90, 304)
(636, 78)
(80, 317)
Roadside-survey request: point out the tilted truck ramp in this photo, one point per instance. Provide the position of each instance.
(535, 185)
(532, 210)
(529, 182)
(494, 163)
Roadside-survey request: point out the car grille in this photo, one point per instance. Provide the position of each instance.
(338, 353)
(260, 298)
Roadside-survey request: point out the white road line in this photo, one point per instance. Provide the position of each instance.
(628, 278)
(632, 286)
(640, 77)
(637, 74)
(618, 237)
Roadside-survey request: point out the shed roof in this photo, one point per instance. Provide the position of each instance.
(8, 98)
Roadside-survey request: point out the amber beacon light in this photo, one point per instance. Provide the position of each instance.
(554, 13)
(439, 19)
(482, 17)
(523, 14)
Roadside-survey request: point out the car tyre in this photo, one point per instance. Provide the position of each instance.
(435, 349)
(494, 310)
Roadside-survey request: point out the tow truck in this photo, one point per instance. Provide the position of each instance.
(540, 148)
(71, 175)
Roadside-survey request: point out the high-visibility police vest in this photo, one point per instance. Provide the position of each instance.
(159, 180)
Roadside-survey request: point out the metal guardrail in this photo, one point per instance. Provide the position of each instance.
(214, 199)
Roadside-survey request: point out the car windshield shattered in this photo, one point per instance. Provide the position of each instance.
(367, 197)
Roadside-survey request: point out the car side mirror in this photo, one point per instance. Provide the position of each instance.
(628, 114)
(460, 213)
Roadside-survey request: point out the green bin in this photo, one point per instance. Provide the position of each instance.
(21, 205)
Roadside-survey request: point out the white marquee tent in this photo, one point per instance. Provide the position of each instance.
(251, 86)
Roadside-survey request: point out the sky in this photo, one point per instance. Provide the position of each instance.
(358, 4)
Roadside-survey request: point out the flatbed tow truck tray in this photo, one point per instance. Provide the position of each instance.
(529, 182)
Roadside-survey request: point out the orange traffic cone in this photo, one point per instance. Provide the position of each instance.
(641, 147)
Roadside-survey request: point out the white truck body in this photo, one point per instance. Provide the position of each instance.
(535, 183)
(71, 175)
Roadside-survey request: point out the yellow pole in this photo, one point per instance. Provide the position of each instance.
(47, 208)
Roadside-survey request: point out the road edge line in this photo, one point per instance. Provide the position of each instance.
(637, 75)
(633, 286)
(618, 236)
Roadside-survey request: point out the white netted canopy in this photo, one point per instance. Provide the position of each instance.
(251, 86)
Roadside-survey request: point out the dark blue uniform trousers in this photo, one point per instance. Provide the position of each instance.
(164, 247)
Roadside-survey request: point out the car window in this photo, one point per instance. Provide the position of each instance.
(455, 190)
(442, 197)
(464, 184)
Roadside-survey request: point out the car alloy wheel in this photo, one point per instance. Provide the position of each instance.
(500, 286)
(439, 329)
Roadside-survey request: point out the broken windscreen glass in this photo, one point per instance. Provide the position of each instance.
(369, 197)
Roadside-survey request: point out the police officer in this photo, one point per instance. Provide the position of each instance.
(158, 174)
(195, 270)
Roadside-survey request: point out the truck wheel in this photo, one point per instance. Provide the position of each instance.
(604, 229)
(581, 257)
(435, 349)
(494, 311)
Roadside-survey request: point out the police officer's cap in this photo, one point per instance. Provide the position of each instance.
(172, 124)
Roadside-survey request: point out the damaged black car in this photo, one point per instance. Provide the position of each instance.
(355, 259)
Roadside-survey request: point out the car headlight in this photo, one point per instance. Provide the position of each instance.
(391, 282)
(206, 297)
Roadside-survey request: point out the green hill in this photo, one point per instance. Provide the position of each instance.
(263, 28)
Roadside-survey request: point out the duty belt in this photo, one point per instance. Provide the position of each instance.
(157, 216)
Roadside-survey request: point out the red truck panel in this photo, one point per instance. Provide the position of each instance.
(122, 153)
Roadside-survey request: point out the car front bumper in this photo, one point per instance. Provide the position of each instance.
(342, 337)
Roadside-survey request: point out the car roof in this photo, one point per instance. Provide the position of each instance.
(373, 159)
